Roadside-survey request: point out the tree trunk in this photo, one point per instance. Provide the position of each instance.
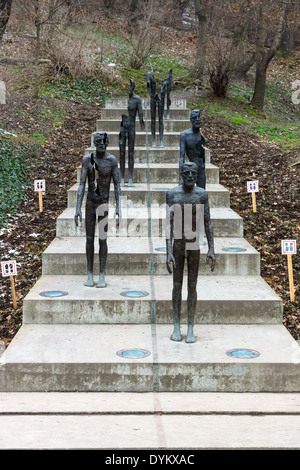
(200, 62)
(263, 57)
(243, 67)
(37, 56)
(5, 9)
(260, 86)
(287, 42)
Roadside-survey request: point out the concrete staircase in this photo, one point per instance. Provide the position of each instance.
(75, 342)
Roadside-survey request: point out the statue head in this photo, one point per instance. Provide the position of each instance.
(195, 118)
(189, 173)
(132, 86)
(101, 141)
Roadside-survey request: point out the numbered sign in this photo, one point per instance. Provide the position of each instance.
(288, 247)
(9, 268)
(39, 185)
(252, 186)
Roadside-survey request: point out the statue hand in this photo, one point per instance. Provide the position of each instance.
(78, 214)
(211, 257)
(170, 259)
(118, 212)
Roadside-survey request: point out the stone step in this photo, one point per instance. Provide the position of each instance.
(112, 433)
(71, 358)
(163, 173)
(140, 194)
(170, 139)
(116, 113)
(135, 223)
(172, 125)
(122, 102)
(155, 155)
(142, 256)
(166, 403)
(229, 300)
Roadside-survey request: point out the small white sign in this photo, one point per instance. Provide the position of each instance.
(288, 247)
(39, 185)
(9, 268)
(252, 186)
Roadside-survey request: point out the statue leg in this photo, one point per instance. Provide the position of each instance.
(122, 147)
(153, 120)
(178, 253)
(103, 222)
(201, 179)
(161, 124)
(90, 221)
(193, 257)
(131, 139)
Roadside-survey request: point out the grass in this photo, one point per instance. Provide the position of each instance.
(85, 90)
(278, 123)
(15, 159)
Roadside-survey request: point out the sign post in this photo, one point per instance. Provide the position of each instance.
(40, 187)
(252, 187)
(9, 269)
(289, 248)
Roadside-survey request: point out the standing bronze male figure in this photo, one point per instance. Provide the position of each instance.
(182, 238)
(191, 144)
(97, 201)
(127, 132)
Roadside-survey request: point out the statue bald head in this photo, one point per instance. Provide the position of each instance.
(195, 118)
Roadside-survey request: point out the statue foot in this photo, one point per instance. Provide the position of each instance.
(161, 144)
(122, 183)
(154, 144)
(176, 336)
(89, 282)
(130, 182)
(190, 338)
(101, 281)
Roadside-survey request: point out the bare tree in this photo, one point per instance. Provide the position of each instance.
(5, 9)
(271, 22)
(201, 10)
(42, 12)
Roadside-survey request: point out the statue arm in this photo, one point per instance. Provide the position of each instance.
(81, 188)
(169, 232)
(117, 188)
(140, 113)
(209, 234)
(181, 155)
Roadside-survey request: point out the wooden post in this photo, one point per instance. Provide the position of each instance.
(291, 278)
(254, 202)
(41, 201)
(12, 283)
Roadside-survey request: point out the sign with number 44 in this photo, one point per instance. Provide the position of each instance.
(288, 247)
(39, 185)
(9, 268)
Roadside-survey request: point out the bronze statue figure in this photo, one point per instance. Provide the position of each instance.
(151, 89)
(182, 239)
(158, 104)
(191, 143)
(127, 133)
(97, 201)
(169, 86)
